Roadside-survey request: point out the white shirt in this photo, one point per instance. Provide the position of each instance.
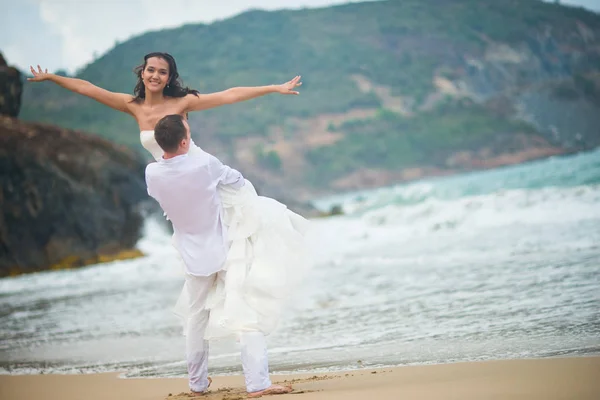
(186, 188)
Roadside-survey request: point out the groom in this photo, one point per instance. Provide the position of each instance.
(186, 189)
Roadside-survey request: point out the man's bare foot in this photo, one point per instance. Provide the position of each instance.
(198, 394)
(271, 390)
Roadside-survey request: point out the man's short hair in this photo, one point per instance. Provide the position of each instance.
(169, 132)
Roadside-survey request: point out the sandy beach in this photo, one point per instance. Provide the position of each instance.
(556, 378)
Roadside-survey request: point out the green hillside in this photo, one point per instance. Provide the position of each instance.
(371, 67)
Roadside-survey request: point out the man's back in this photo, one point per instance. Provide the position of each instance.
(185, 186)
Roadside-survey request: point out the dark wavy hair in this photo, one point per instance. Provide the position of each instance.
(174, 86)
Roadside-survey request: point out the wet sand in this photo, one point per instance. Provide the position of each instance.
(544, 379)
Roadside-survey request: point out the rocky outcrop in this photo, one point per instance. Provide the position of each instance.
(566, 112)
(551, 81)
(11, 88)
(67, 198)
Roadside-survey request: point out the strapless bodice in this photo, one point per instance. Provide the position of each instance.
(149, 143)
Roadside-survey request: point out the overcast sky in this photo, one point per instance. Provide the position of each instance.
(65, 34)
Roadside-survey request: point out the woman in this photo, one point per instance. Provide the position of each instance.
(159, 91)
(263, 232)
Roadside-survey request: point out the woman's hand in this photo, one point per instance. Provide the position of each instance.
(118, 101)
(39, 75)
(288, 87)
(237, 94)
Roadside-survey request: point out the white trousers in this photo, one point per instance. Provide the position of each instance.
(255, 363)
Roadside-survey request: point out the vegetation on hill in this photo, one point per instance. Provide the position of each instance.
(395, 46)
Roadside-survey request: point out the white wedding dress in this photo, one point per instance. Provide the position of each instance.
(267, 258)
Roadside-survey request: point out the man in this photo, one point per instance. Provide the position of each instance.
(186, 189)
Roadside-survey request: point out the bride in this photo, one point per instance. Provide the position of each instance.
(266, 256)
(159, 91)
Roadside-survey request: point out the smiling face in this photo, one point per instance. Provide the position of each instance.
(156, 74)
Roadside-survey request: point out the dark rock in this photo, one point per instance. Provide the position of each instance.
(336, 210)
(566, 112)
(305, 209)
(11, 88)
(67, 198)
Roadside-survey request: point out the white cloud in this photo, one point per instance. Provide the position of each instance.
(68, 33)
(91, 27)
(24, 37)
(591, 4)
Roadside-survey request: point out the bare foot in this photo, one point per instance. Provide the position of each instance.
(271, 390)
(198, 394)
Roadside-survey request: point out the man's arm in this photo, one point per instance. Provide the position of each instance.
(148, 176)
(151, 172)
(225, 175)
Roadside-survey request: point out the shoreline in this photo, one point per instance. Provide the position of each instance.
(417, 174)
(300, 372)
(542, 378)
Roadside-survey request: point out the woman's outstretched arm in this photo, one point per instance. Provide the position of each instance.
(238, 94)
(118, 101)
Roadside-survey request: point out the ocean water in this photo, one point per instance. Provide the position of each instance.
(488, 265)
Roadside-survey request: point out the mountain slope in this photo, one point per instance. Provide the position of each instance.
(392, 90)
